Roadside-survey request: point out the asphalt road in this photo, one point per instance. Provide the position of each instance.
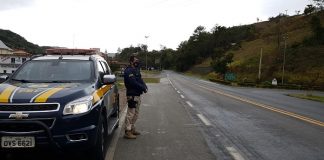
(168, 130)
(251, 123)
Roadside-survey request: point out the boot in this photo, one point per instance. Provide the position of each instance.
(134, 132)
(129, 135)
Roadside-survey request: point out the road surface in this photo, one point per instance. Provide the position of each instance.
(168, 131)
(252, 131)
(235, 123)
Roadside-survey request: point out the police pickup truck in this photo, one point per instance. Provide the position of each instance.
(66, 100)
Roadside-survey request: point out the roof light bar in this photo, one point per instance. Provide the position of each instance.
(66, 51)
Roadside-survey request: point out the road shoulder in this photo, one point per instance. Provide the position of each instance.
(167, 130)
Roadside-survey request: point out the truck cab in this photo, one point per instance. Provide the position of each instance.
(65, 100)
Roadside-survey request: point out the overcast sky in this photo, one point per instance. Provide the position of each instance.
(109, 24)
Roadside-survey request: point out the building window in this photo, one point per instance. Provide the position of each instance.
(4, 71)
(13, 60)
(23, 60)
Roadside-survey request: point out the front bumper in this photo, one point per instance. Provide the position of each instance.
(75, 132)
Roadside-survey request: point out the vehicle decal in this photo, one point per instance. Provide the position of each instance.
(32, 100)
(5, 95)
(16, 89)
(42, 98)
(99, 93)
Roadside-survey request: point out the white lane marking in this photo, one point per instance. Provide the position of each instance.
(204, 119)
(178, 92)
(170, 82)
(182, 96)
(189, 104)
(234, 153)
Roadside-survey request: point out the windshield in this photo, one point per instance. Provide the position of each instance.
(55, 71)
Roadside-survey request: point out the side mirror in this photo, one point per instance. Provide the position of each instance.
(3, 78)
(109, 79)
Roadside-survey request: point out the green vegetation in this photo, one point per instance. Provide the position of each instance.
(304, 55)
(15, 41)
(151, 80)
(309, 97)
(153, 72)
(120, 84)
(236, 51)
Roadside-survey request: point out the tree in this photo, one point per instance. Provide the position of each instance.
(220, 60)
(309, 9)
(318, 30)
(319, 3)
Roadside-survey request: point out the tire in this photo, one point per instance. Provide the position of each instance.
(98, 152)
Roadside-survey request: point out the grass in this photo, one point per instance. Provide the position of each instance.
(150, 72)
(309, 97)
(121, 85)
(151, 80)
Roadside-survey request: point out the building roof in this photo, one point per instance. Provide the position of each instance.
(21, 53)
(3, 46)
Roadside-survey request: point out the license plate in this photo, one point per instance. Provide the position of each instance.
(17, 142)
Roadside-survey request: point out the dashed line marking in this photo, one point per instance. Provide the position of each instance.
(178, 92)
(182, 96)
(170, 82)
(189, 104)
(234, 153)
(204, 119)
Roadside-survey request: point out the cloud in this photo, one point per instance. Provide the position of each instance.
(13, 4)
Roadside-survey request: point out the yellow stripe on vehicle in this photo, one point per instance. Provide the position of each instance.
(99, 93)
(5, 95)
(44, 96)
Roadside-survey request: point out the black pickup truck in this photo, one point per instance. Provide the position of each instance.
(60, 101)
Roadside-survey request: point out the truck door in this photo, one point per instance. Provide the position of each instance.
(110, 96)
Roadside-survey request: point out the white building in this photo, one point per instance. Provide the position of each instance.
(10, 60)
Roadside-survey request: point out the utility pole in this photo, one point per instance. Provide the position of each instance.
(260, 64)
(146, 51)
(286, 12)
(284, 60)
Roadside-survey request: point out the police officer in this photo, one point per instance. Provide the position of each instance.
(135, 86)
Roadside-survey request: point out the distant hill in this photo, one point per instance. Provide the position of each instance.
(304, 59)
(15, 41)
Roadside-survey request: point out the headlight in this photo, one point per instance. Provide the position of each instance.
(78, 106)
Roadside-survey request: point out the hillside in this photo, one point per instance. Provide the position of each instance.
(304, 60)
(15, 41)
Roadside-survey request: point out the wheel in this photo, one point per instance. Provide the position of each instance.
(98, 152)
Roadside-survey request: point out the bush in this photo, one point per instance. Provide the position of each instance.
(213, 75)
(220, 81)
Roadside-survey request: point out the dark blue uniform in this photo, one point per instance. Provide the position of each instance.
(134, 83)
